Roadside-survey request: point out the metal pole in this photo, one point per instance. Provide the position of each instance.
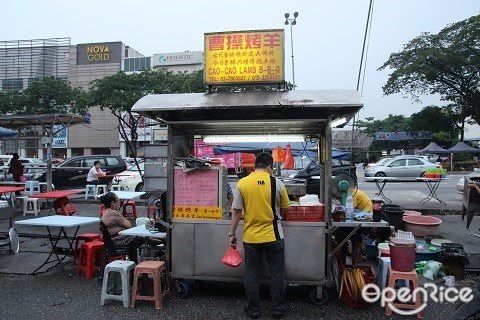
(293, 60)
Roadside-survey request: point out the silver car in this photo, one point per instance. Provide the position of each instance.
(401, 167)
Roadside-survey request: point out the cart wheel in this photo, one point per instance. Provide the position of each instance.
(315, 300)
(181, 289)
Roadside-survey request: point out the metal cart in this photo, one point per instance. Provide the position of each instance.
(195, 247)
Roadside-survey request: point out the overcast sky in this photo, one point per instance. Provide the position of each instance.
(327, 38)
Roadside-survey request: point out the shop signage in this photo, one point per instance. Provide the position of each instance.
(402, 135)
(177, 58)
(59, 138)
(194, 212)
(243, 57)
(93, 53)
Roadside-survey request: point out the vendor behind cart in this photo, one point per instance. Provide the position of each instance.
(363, 203)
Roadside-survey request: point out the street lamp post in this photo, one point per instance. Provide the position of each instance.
(292, 22)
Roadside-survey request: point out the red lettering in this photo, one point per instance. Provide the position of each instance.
(234, 42)
(271, 40)
(215, 42)
(253, 41)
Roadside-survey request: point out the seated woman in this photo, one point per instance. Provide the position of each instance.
(116, 222)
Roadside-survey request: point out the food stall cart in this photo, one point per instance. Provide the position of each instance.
(196, 245)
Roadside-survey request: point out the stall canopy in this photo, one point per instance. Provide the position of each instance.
(462, 147)
(8, 134)
(259, 112)
(433, 148)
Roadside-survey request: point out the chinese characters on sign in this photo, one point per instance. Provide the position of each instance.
(244, 56)
(59, 138)
(194, 212)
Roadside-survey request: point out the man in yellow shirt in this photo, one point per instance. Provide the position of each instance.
(263, 199)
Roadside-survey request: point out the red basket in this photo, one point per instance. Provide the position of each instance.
(370, 277)
(402, 258)
(305, 213)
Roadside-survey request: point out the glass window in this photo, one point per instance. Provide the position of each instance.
(126, 65)
(399, 163)
(89, 162)
(147, 62)
(12, 84)
(415, 162)
(112, 161)
(74, 163)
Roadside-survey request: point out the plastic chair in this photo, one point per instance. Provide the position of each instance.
(124, 268)
(90, 259)
(156, 269)
(110, 250)
(63, 206)
(31, 205)
(100, 189)
(132, 212)
(90, 191)
(31, 187)
(85, 237)
(412, 276)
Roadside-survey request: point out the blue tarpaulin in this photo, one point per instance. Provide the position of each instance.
(8, 133)
(298, 149)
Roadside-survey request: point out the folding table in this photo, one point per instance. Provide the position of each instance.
(432, 184)
(11, 190)
(381, 182)
(61, 222)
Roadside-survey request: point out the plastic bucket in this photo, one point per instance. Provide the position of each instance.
(394, 216)
(402, 258)
(383, 249)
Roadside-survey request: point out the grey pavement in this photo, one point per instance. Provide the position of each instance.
(60, 293)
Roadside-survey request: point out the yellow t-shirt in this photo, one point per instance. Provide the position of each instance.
(362, 202)
(254, 197)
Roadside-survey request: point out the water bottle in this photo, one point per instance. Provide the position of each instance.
(377, 208)
(349, 207)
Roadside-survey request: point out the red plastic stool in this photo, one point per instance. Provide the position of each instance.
(412, 276)
(85, 237)
(63, 206)
(155, 268)
(133, 212)
(90, 259)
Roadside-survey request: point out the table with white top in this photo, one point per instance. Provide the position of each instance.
(143, 231)
(432, 184)
(381, 182)
(62, 222)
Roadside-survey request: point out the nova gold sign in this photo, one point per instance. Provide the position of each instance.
(98, 53)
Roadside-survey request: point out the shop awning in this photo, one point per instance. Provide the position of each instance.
(265, 112)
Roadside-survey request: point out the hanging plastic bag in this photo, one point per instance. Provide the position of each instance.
(288, 164)
(232, 257)
(278, 154)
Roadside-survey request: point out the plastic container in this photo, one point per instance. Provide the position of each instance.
(394, 216)
(402, 258)
(429, 252)
(422, 226)
(305, 213)
(411, 213)
(308, 198)
(439, 242)
(430, 237)
(349, 207)
(383, 249)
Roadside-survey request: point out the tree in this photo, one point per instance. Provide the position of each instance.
(439, 121)
(45, 96)
(447, 64)
(391, 123)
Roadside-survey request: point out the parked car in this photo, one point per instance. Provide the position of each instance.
(129, 180)
(32, 167)
(379, 162)
(475, 175)
(311, 172)
(72, 173)
(401, 167)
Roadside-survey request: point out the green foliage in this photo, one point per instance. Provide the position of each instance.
(45, 96)
(438, 120)
(447, 64)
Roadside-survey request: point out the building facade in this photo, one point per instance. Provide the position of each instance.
(22, 62)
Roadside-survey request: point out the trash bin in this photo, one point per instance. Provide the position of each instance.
(454, 258)
(394, 216)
